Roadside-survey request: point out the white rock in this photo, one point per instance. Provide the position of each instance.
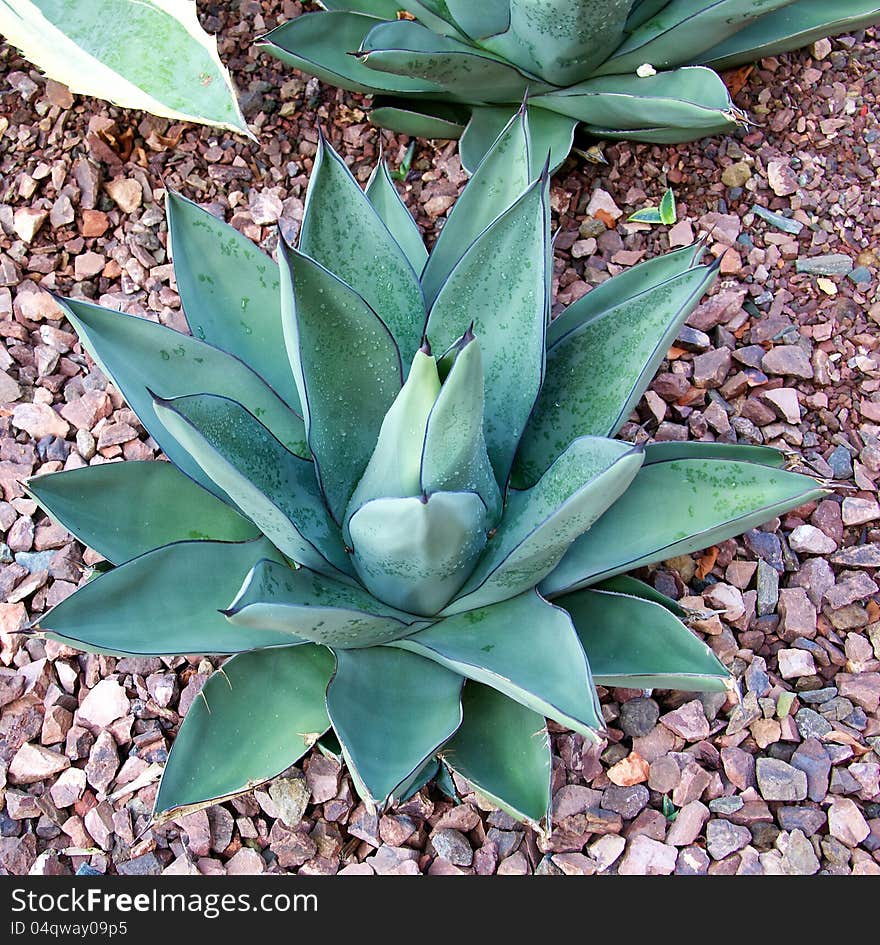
(785, 400)
(105, 703)
(602, 200)
(795, 663)
(812, 540)
(857, 511)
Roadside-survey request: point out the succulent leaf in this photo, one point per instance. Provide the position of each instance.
(523, 647)
(624, 286)
(393, 212)
(479, 20)
(559, 40)
(631, 587)
(314, 607)
(454, 457)
(95, 504)
(741, 452)
(107, 49)
(704, 501)
(229, 293)
(320, 44)
(391, 710)
(143, 358)
(416, 553)
(550, 133)
(691, 97)
(406, 48)
(231, 740)
(669, 37)
(791, 28)
(342, 231)
(347, 367)
(419, 119)
(503, 749)
(540, 523)
(274, 488)
(639, 644)
(501, 287)
(578, 397)
(394, 469)
(165, 602)
(502, 176)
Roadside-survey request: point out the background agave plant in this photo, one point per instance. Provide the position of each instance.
(625, 68)
(393, 493)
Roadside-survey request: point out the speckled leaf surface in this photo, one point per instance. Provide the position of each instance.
(501, 285)
(347, 368)
(540, 523)
(320, 43)
(165, 602)
(229, 290)
(407, 48)
(143, 358)
(501, 178)
(393, 212)
(580, 396)
(562, 41)
(275, 489)
(523, 647)
(551, 134)
(704, 501)
(624, 286)
(790, 28)
(391, 710)
(394, 469)
(257, 716)
(682, 29)
(454, 457)
(416, 554)
(342, 231)
(315, 607)
(145, 54)
(122, 510)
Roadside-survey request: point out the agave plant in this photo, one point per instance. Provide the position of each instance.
(637, 69)
(393, 492)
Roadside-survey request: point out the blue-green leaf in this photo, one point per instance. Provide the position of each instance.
(275, 489)
(347, 368)
(579, 396)
(550, 133)
(314, 607)
(167, 601)
(539, 524)
(254, 718)
(122, 510)
(503, 749)
(342, 231)
(393, 212)
(498, 181)
(229, 291)
(143, 359)
(391, 711)
(704, 501)
(320, 44)
(416, 553)
(639, 644)
(454, 457)
(523, 647)
(501, 286)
